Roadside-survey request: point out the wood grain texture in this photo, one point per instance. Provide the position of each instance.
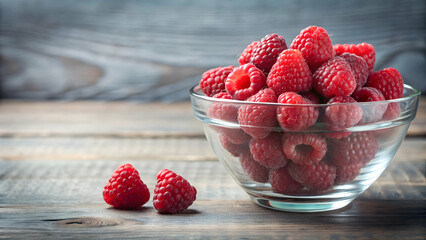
(213, 219)
(117, 119)
(156, 50)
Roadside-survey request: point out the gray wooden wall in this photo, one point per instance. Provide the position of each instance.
(155, 50)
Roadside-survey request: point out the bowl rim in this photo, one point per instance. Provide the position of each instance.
(194, 92)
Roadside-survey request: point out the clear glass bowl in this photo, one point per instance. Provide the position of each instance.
(378, 134)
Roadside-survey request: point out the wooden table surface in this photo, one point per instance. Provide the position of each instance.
(55, 158)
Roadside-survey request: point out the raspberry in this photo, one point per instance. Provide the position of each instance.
(290, 73)
(363, 50)
(297, 117)
(172, 192)
(311, 96)
(268, 151)
(371, 113)
(257, 120)
(388, 81)
(334, 78)
(265, 54)
(336, 135)
(342, 116)
(304, 148)
(246, 55)
(245, 81)
(317, 177)
(347, 173)
(358, 148)
(125, 188)
(392, 111)
(359, 68)
(253, 169)
(282, 182)
(213, 80)
(315, 45)
(227, 112)
(234, 149)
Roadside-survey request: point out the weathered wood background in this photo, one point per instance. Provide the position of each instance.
(156, 50)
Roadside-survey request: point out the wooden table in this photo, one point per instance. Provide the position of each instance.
(55, 158)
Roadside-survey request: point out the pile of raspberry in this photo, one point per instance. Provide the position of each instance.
(274, 143)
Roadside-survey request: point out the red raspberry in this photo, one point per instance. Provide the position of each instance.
(213, 80)
(172, 192)
(125, 188)
(363, 50)
(336, 135)
(234, 149)
(245, 81)
(341, 116)
(388, 81)
(268, 151)
(317, 177)
(359, 68)
(334, 78)
(253, 169)
(371, 113)
(282, 182)
(358, 148)
(265, 54)
(311, 96)
(347, 173)
(304, 148)
(246, 55)
(290, 73)
(257, 120)
(228, 112)
(297, 117)
(392, 111)
(315, 45)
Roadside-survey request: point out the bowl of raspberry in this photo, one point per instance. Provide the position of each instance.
(304, 128)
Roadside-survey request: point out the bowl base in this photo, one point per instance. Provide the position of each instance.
(300, 207)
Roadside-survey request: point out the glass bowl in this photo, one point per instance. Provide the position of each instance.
(319, 168)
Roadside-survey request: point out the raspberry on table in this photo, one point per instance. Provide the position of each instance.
(334, 78)
(282, 182)
(213, 80)
(258, 120)
(265, 54)
(363, 50)
(304, 148)
(358, 148)
(172, 193)
(371, 113)
(246, 54)
(297, 117)
(316, 177)
(125, 188)
(290, 73)
(268, 151)
(347, 173)
(245, 81)
(235, 149)
(341, 116)
(315, 45)
(253, 169)
(388, 81)
(359, 68)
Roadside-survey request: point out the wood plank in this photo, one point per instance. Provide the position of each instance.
(47, 181)
(117, 119)
(141, 148)
(64, 50)
(214, 219)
